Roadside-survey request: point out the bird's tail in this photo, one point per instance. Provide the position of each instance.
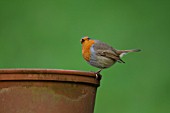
(123, 52)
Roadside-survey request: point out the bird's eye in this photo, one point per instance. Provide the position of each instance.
(82, 40)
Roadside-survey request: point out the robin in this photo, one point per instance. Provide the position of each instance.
(101, 55)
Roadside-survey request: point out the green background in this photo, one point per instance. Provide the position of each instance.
(47, 33)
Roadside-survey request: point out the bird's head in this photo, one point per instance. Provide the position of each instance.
(84, 39)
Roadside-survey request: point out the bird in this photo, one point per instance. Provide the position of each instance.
(100, 54)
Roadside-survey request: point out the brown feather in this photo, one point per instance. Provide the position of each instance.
(127, 51)
(103, 46)
(102, 49)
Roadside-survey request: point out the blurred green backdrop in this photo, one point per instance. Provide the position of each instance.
(46, 34)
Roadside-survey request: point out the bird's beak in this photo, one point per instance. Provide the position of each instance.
(82, 40)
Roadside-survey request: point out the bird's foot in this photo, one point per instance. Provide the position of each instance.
(98, 75)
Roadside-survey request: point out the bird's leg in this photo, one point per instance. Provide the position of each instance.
(98, 75)
(98, 72)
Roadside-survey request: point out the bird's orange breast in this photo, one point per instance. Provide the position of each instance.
(86, 49)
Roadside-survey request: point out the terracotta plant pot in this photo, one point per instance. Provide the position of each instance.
(47, 91)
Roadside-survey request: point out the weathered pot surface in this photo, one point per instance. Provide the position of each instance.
(47, 91)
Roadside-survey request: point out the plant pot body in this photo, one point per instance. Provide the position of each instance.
(47, 91)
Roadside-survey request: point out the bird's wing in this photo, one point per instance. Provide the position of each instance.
(103, 46)
(105, 50)
(109, 54)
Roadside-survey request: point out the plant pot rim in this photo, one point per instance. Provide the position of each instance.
(60, 75)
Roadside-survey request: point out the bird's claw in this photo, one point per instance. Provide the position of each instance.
(98, 76)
